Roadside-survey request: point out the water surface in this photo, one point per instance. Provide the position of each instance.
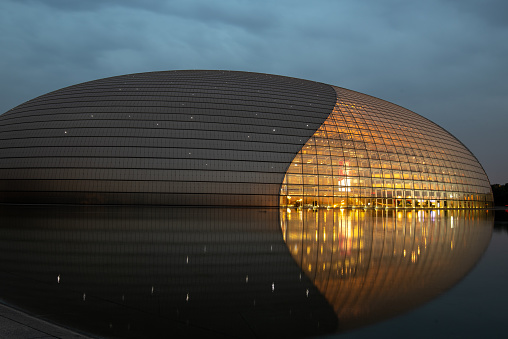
(142, 271)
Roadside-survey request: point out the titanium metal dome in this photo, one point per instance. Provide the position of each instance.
(224, 138)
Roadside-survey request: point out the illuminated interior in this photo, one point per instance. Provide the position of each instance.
(370, 153)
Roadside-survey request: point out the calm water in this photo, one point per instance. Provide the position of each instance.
(141, 271)
(474, 308)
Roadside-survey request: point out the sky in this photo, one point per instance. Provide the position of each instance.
(446, 60)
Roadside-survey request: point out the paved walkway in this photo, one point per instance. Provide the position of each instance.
(18, 325)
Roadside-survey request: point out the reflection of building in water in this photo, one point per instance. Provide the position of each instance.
(137, 272)
(372, 264)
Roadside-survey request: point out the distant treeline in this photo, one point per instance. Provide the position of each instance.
(500, 194)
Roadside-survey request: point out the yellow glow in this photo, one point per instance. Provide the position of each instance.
(362, 154)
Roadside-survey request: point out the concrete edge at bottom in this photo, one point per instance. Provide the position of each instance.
(15, 324)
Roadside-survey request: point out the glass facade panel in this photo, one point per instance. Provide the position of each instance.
(370, 153)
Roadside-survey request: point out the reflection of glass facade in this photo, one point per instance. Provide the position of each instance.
(374, 264)
(371, 153)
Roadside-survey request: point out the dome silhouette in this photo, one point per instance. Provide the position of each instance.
(226, 138)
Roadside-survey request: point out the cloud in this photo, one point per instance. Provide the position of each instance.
(443, 59)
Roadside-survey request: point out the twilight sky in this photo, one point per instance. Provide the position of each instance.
(444, 59)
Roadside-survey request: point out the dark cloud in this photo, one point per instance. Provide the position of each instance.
(443, 59)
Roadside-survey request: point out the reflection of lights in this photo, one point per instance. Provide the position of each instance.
(307, 293)
(187, 297)
(58, 279)
(273, 287)
(354, 246)
(451, 221)
(84, 296)
(246, 278)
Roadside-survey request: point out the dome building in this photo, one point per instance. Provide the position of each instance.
(223, 138)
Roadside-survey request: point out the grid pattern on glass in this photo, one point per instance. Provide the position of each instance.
(371, 153)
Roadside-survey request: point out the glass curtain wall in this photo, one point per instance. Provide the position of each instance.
(371, 153)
